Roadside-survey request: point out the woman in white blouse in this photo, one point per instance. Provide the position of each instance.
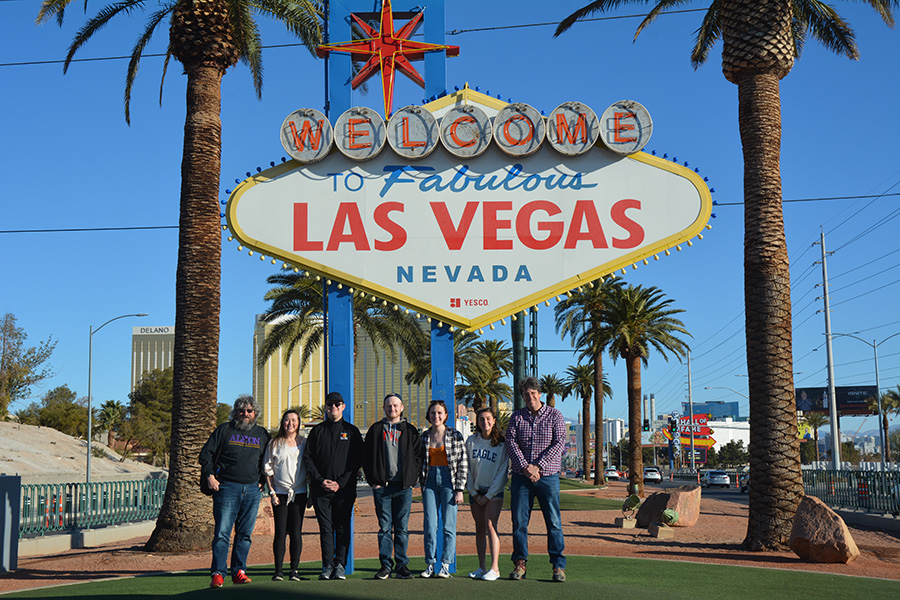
(286, 476)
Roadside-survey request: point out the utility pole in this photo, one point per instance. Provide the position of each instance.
(832, 399)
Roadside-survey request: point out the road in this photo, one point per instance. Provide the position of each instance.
(732, 494)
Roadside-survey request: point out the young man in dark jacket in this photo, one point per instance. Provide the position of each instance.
(231, 462)
(332, 459)
(392, 461)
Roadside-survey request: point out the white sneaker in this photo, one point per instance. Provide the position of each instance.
(428, 573)
(444, 572)
(490, 576)
(477, 573)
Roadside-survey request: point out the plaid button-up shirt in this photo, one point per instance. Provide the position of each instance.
(536, 439)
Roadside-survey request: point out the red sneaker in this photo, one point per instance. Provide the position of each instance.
(217, 581)
(240, 577)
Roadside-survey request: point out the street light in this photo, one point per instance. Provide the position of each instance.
(717, 387)
(90, 379)
(874, 346)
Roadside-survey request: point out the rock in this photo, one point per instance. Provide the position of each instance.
(684, 499)
(820, 535)
(265, 519)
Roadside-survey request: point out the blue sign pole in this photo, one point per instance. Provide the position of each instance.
(339, 302)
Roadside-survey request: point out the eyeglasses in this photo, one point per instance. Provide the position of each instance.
(331, 404)
(247, 411)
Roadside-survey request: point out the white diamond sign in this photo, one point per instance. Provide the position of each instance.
(469, 241)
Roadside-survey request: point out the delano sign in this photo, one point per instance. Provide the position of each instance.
(468, 219)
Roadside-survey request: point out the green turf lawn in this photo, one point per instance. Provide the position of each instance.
(589, 578)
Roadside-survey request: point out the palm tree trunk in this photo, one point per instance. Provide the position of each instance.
(185, 519)
(599, 475)
(774, 446)
(635, 458)
(586, 436)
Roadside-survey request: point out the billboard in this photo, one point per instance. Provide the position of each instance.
(425, 211)
(851, 400)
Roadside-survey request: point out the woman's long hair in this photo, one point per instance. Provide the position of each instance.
(495, 435)
(281, 436)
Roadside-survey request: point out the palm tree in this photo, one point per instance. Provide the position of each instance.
(109, 417)
(638, 319)
(890, 405)
(553, 386)
(760, 40)
(580, 382)
(468, 363)
(815, 421)
(498, 359)
(484, 391)
(296, 315)
(577, 315)
(206, 37)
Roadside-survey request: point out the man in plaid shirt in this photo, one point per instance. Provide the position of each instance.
(534, 441)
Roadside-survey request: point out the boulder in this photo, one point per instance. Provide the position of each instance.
(684, 499)
(820, 535)
(265, 518)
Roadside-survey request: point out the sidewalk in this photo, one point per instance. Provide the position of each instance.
(715, 539)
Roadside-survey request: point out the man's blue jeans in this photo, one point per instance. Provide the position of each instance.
(522, 495)
(438, 491)
(392, 506)
(235, 505)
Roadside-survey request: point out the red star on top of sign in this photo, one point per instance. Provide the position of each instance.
(387, 51)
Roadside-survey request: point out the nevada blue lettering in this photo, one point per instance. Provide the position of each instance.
(430, 273)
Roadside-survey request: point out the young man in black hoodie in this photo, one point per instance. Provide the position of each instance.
(231, 462)
(332, 459)
(392, 462)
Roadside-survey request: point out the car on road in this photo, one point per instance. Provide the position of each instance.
(611, 473)
(652, 475)
(715, 478)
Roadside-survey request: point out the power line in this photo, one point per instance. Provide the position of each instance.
(82, 229)
(554, 23)
(876, 196)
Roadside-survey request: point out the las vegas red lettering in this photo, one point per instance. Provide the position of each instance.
(538, 225)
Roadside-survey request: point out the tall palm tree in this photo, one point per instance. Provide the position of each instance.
(815, 421)
(297, 318)
(638, 319)
(553, 386)
(206, 37)
(760, 40)
(578, 314)
(890, 405)
(580, 382)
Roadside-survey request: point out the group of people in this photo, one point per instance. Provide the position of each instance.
(239, 459)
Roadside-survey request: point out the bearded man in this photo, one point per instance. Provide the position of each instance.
(231, 462)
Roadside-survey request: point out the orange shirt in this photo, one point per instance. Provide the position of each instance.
(437, 457)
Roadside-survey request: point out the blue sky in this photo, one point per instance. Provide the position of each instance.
(71, 161)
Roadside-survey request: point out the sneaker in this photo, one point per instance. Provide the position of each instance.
(477, 573)
(428, 573)
(519, 571)
(325, 575)
(444, 573)
(339, 572)
(217, 581)
(277, 577)
(383, 573)
(402, 572)
(240, 578)
(295, 575)
(490, 576)
(559, 575)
